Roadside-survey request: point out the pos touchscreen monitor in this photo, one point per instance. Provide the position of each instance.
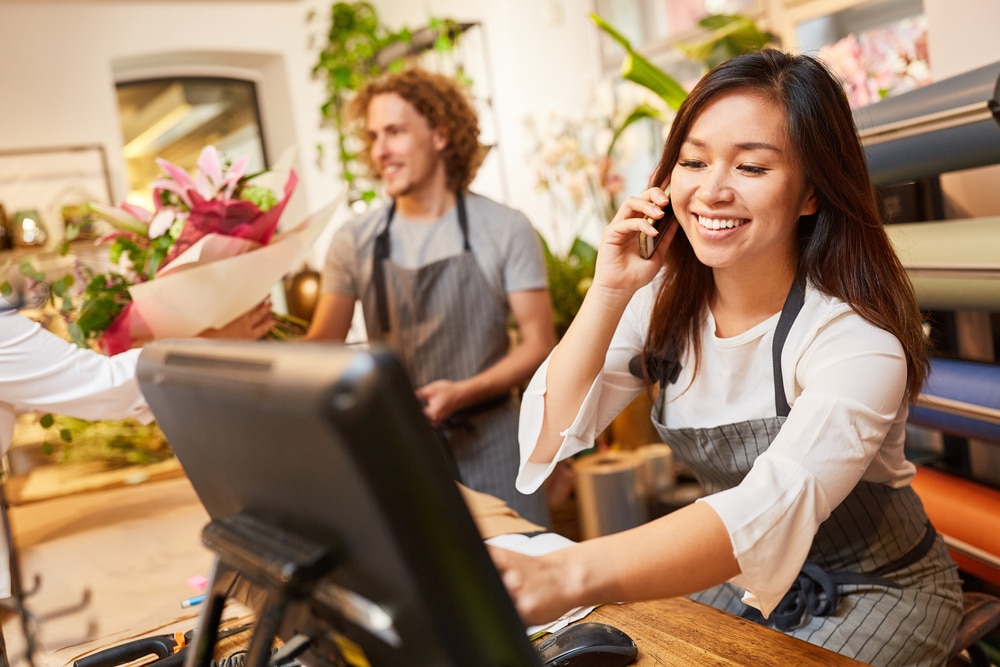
(330, 497)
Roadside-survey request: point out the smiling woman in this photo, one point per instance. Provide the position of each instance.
(781, 338)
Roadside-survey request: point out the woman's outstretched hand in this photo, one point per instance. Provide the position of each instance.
(251, 325)
(537, 584)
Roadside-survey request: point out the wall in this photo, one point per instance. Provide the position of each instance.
(59, 61)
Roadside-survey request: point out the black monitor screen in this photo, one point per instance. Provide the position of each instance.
(328, 443)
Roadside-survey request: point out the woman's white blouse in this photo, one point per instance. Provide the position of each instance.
(845, 381)
(41, 372)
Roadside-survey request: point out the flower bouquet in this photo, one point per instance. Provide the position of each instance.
(205, 255)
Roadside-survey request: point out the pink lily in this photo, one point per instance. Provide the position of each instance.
(126, 217)
(161, 222)
(211, 180)
(208, 176)
(179, 182)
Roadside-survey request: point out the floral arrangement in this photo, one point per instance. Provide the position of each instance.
(211, 217)
(573, 160)
(881, 62)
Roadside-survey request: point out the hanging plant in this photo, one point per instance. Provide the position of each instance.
(357, 48)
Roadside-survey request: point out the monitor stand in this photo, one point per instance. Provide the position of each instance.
(282, 566)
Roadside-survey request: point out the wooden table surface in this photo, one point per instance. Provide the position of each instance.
(133, 548)
(681, 632)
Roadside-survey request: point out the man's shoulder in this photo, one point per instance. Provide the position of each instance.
(364, 226)
(493, 211)
(370, 218)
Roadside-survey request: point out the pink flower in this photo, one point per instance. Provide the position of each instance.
(215, 199)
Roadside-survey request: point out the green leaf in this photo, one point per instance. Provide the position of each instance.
(638, 69)
(615, 35)
(61, 287)
(639, 113)
(27, 269)
(731, 35)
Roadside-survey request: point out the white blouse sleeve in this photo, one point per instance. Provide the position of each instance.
(40, 371)
(851, 379)
(612, 391)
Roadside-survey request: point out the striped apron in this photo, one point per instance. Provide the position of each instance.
(445, 322)
(878, 584)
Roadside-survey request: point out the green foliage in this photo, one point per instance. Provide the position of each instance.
(638, 69)
(358, 47)
(117, 443)
(731, 35)
(104, 297)
(263, 198)
(569, 280)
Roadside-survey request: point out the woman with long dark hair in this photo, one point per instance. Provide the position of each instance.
(783, 342)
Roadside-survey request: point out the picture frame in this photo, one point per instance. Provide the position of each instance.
(55, 183)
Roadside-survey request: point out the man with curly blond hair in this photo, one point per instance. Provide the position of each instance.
(440, 272)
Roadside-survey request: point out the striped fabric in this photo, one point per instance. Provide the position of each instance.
(874, 526)
(447, 323)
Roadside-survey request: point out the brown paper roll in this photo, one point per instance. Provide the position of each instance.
(609, 492)
(658, 475)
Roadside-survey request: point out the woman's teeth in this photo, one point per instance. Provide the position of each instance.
(718, 223)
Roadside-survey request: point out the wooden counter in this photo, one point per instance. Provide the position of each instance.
(681, 632)
(133, 548)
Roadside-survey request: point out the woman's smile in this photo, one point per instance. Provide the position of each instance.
(706, 222)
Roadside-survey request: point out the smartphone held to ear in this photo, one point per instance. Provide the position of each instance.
(647, 244)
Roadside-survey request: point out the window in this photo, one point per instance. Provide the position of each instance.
(174, 118)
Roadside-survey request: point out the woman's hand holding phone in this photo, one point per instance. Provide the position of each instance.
(647, 244)
(620, 267)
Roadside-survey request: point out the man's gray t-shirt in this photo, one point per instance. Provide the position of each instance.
(506, 247)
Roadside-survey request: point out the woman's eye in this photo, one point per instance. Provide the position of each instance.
(751, 169)
(691, 164)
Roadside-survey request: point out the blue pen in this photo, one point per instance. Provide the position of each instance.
(191, 602)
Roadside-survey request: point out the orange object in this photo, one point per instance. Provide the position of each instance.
(968, 515)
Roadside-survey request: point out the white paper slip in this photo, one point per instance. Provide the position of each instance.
(536, 546)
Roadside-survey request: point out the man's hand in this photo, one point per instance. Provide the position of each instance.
(441, 399)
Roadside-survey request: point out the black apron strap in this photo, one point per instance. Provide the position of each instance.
(815, 592)
(793, 304)
(463, 220)
(382, 250)
(379, 255)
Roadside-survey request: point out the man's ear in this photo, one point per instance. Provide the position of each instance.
(440, 138)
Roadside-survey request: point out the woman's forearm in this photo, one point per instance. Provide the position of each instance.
(574, 365)
(678, 554)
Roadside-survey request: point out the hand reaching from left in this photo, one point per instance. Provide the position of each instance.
(251, 325)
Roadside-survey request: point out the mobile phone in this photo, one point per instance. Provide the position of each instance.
(647, 244)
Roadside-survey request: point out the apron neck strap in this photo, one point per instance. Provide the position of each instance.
(382, 251)
(793, 304)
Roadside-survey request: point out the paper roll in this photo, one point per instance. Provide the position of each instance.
(658, 475)
(609, 492)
